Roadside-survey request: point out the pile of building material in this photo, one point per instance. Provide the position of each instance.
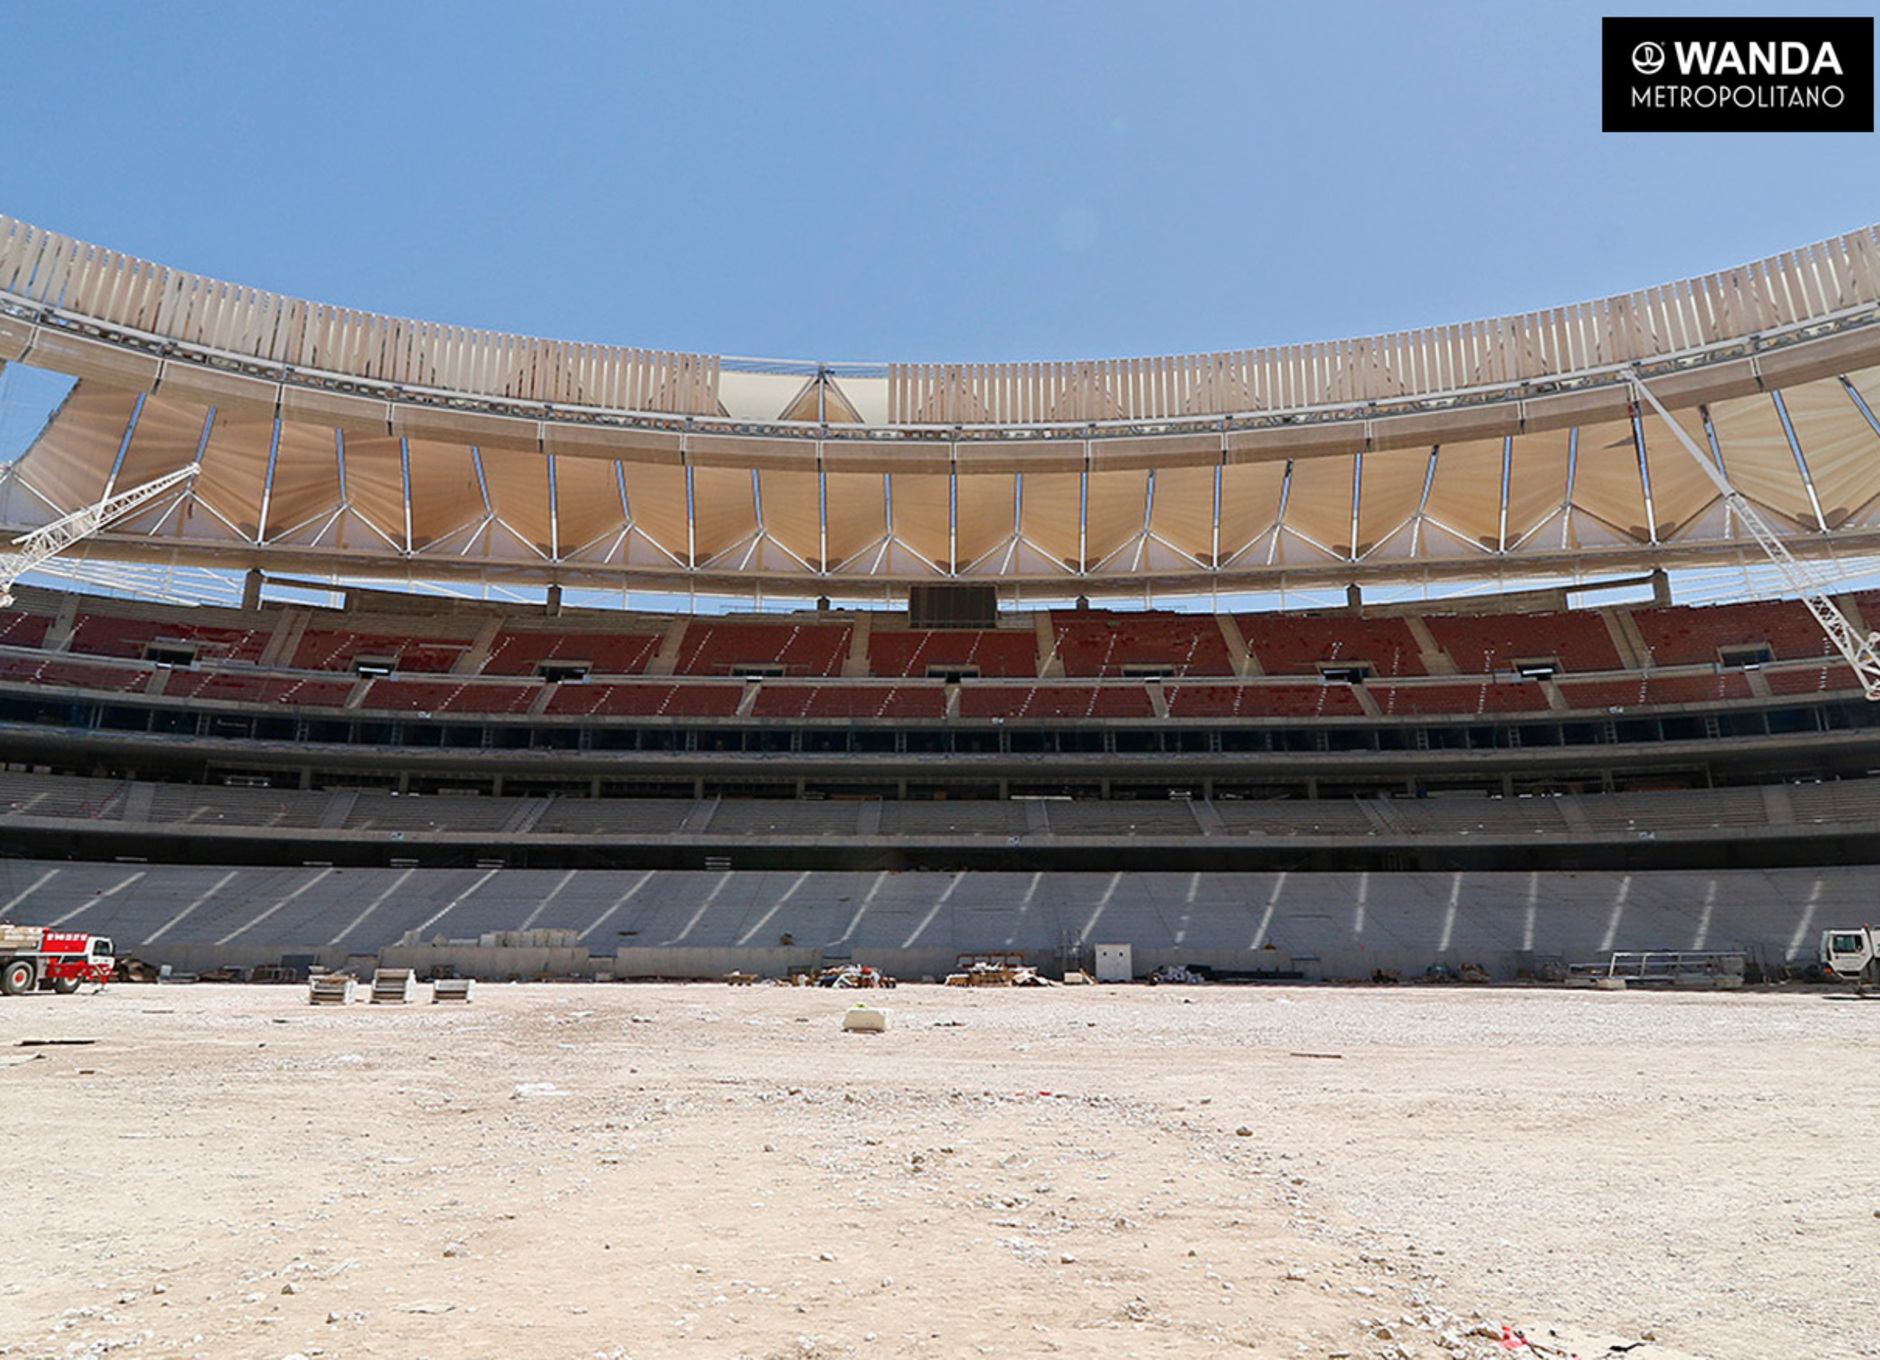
(394, 987)
(851, 975)
(862, 1018)
(996, 970)
(330, 989)
(450, 989)
(1175, 972)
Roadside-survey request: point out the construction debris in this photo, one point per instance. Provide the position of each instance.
(996, 970)
(851, 975)
(394, 987)
(862, 1018)
(1175, 972)
(331, 989)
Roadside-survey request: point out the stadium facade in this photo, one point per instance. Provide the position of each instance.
(1492, 779)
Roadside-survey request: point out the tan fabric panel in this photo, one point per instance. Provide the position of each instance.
(519, 493)
(1822, 358)
(587, 502)
(1183, 512)
(887, 455)
(985, 515)
(168, 435)
(1681, 493)
(83, 358)
(723, 512)
(72, 458)
(234, 392)
(1320, 504)
(375, 483)
(994, 456)
(858, 513)
(306, 484)
(487, 432)
(792, 503)
(1172, 450)
(1050, 515)
(307, 405)
(656, 503)
(613, 445)
(1757, 458)
(922, 513)
(1295, 441)
(1250, 496)
(445, 494)
(1565, 410)
(1119, 502)
(1465, 493)
(737, 451)
(1389, 491)
(1840, 447)
(1700, 386)
(1452, 426)
(234, 470)
(1537, 486)
(15, 335)
(1606, 481)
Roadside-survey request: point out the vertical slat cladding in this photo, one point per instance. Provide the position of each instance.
(1816, 284)
(12, 233)
(1863, 260)
(78, 286)
(44, 268)
(1843, 256)
(19, 244)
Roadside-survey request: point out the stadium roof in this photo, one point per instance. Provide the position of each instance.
(338, 442)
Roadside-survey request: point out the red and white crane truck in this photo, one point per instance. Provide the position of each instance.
(32, 957)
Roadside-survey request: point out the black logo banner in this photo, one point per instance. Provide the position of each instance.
(1786, 74)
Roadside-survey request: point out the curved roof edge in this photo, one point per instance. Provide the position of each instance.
(92, 312)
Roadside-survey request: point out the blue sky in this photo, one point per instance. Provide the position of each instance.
(868, 181)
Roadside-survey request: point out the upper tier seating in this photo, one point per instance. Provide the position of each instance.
(1102, 645)
(998, 654)
(1298, 644)
(23, 630)
(1292, 700)
(54, 670)
(449, 696)
(647, 699)
(107, 635)
(1482, 643)
(337, 651)
(851, 701)
(519, 653)
(1689, 636)
(259, 687)
(1481, 695)
(1831, 675)
(1054, 701)
(717, 647)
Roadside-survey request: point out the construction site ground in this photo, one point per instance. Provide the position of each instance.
(703, 1170)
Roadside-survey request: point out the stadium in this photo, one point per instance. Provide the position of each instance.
(540, 658)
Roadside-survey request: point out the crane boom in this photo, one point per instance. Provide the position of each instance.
(1859, 652)
(49, 540)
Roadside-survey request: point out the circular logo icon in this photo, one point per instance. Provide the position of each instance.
(1648, 59)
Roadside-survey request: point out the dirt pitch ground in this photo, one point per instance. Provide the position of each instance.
(653, 1171)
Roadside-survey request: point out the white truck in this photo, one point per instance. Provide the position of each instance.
(32, 957)
(1852, 953)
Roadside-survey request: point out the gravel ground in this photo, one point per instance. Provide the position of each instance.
(647, 1171)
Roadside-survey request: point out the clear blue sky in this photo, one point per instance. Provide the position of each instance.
(865, 181)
